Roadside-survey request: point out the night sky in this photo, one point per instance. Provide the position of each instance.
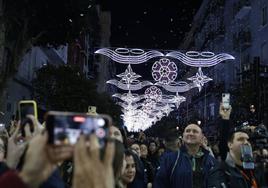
(151, 24)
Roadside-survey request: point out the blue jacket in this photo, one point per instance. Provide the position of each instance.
(54, 181)
(176, 171)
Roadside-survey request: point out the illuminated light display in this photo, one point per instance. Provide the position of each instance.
(199, 79)
(129, 97)
(203, 59)
(128, 77)
(119, 55)
(153, 93)
(174, 87)
(132, 87)
(178, 100)
(164, 71)
(141, 111)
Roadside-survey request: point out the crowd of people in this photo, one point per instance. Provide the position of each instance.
(188, 160)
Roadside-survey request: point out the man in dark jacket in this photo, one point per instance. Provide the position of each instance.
(191, 166)
(236, 175)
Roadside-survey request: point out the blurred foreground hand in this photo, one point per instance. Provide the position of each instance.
(89, 170)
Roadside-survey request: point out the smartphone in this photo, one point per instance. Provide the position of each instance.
(247, 157)
(64, 128)
(26, 107)
(226, 100)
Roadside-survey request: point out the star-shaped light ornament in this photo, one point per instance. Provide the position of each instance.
(128, 77)
(178, 99)
(200, 79)
(166, 109)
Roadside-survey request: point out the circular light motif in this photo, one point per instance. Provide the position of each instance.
(137, 51)
(153, 93)
(207, 54)
(192, 54)
(164, 71)
(122, 50)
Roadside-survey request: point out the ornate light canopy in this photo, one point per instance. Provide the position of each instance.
(141, 111)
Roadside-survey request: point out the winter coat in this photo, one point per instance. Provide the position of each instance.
(234, 178)
(176, 171)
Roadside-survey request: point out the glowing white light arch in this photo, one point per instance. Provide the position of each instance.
(129, 59)
(200, 62)
(132, 87)
(129, 97)
(174, 87)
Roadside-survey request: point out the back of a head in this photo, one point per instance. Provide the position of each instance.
(118, 158)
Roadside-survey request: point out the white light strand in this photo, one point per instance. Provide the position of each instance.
(129, 59)
(132, 87)
(200, 62)
(174, 87)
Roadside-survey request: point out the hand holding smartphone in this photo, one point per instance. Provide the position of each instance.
(247, 157)
(27, 107)
(64, 128)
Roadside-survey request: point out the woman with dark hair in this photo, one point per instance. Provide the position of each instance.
(130, 171)
(118, 162)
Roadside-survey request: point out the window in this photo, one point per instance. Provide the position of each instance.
(264, 16)
(8, 107)
(264, 55)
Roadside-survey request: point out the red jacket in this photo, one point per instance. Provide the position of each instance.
(11, 179)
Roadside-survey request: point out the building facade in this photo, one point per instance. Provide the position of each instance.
(19, 87)
(237, 27)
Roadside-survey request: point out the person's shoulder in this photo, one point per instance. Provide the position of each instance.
(170, 156)
(211, 161)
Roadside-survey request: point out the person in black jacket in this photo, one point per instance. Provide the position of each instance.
(224, 127)
(236, 175)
